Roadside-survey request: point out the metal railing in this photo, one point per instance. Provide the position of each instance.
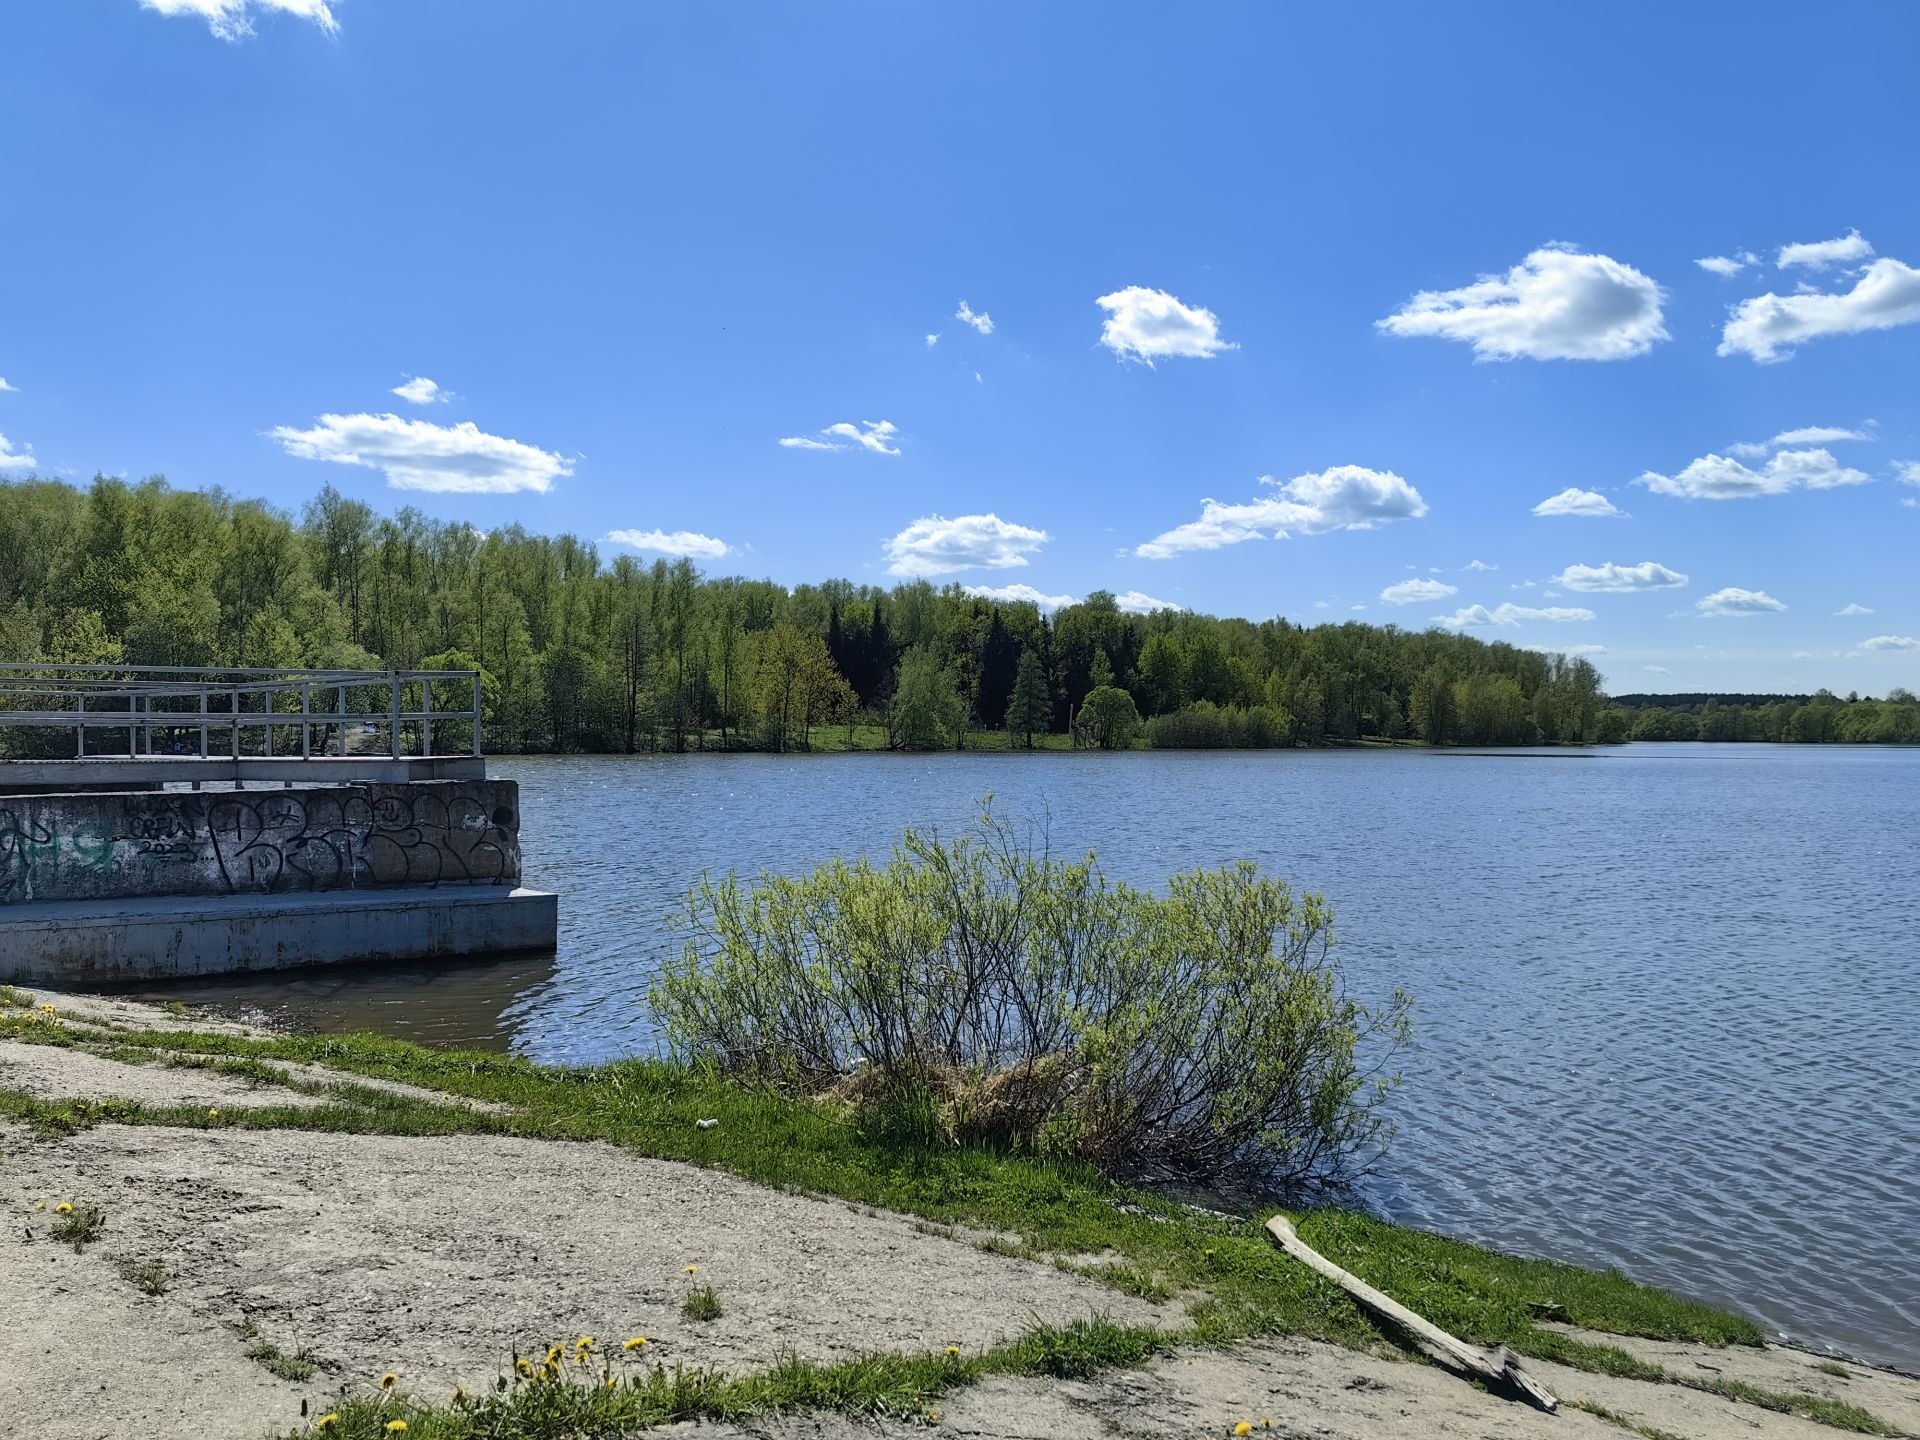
(194, 711)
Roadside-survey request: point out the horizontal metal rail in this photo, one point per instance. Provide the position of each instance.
(215, 713)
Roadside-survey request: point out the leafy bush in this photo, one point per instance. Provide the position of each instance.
(1204, 1034)
(1205, 726)
(1110, 717)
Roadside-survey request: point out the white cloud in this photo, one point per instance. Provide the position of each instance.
(1718, 477)
(1819, 254)
(1480, 565)
(1615, 579)
(418, 455)
(1656, 670)
(1854, 608)
(12, 459)
(1725, 265)
(1908, 472)
(1566, 649)
(1767, 327)
(1891, 642)
(1323, 604)
(1146, 325)
(1557, 304)
(879, 436)
(935, 545)
(1507, 613)
(1019, 594)
(1345, 497)
(1135, 602)
(933, 340)
(1818, 435)
(982, 321)
(1413, 592)
(233, 19)
(1571, 501)
(677, 542)
(418, 390)
(6, 389)
(1735, 601)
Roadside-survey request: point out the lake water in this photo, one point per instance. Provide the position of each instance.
(1666, 994)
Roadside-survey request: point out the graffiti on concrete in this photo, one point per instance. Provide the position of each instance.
(259, 842)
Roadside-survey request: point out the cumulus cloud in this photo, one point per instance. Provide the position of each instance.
(933, 340)
(1135, 602)
(1413, 592)
(1557, 304)
(1618, 579)
(935, 545)
(1572, 501)
(1507, 613)
(12, 459)
(1656, 669)
(1566, 649)
(1908, 472)
(1891, 642)
(1726, 265)
(1735, 601)
(675, 542)
(6, 389)
(879, 436)
(1768, 327)
(1854, 608)
(233, 19)
(1818, 435)
(981, 321)
(1719, 477)
(418, 390)
(1146, 325)
(419, 455)
(1022, 594)
(1819, 254)
(1345, 497)
(1480, 565)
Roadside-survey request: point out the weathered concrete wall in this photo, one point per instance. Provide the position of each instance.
(258, 842)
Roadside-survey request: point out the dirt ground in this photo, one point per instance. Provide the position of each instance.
(440, 1258)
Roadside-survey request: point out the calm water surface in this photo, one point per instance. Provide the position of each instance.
(1666, 995)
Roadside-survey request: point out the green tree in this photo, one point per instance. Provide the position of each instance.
(1031, 705)
(1110, 717)
(927, 712)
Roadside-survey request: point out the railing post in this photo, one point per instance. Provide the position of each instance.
(426, 718)
(476, 713)
(340, 716)
(396, 715)
(306, 726)
(80, 728)
(203, 723)
(270, 709)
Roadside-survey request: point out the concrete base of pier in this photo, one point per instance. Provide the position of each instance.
(79, 944)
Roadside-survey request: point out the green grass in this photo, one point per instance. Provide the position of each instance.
(150, 1277)
(277, 1362)
(702, 1304)
(78, 1225)
(1237, 1283)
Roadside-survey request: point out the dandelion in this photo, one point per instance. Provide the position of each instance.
(1245, 1427)
(389, 1380)
(326, 1421)
(585, 1342)
(693, 1269)
(1208, 1252)
(459, 1396)
(638, 1342)
(525, 1367)
(953, 1349)
(610, 1383)
(933, 1416)
(63, 1208)
(553, 1355)
(39, 1204)
(213, 1114)
(394, 1427)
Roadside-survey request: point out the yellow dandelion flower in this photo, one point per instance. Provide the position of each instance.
(636, 1343)
(693, 1269)
(953, 1349)
(1208, 1252)
(525, 1367)
(327, 1421)
(389, 1380)
(585, 1342)
(553, 1353)
(213, 1114)
(394, 1427)
(610, 1383)
(63, 1208)
(933, 1416)
(1245, 1427)
(39, 1204)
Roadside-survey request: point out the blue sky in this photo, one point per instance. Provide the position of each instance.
(1419, 267)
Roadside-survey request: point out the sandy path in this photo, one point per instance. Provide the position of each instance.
(49, 1072)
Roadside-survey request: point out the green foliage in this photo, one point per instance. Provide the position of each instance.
(1820, 719)
(276, 1361)
(1110, 718)
(702, 1303)
(149, 1277)
(79, 1225)
(583, 655)
(1204, 1034)
(1206, 726)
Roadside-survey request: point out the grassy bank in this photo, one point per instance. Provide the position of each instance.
(1230, 1281)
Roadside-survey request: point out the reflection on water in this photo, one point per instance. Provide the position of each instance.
(1666, 995)
(468, 1004)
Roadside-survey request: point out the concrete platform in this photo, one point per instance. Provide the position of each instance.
(75, 944)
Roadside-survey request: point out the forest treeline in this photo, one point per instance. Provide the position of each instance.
(1822, 718)
(582, 655)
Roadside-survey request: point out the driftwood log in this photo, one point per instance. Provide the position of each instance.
(1499, 1367)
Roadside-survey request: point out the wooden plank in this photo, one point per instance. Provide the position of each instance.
(1500, 1367)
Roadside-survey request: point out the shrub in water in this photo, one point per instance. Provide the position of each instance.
(1204, 1034)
